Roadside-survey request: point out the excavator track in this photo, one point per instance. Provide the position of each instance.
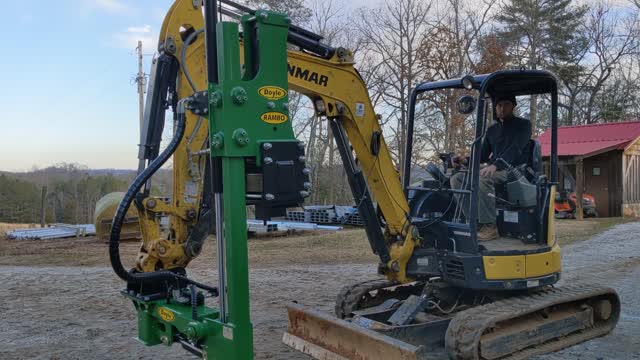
(507, 329)
(358, 296)
(351, 297)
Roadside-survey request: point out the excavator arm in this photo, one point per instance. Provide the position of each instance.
(338, 92)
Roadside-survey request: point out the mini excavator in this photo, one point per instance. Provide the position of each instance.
(440, 292)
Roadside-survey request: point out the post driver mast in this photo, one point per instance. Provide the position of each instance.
(254, 160)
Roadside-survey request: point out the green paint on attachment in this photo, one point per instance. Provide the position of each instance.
(217, 140)
(239, 95)
(241, 137)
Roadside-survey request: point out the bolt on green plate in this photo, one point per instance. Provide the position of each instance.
(241, 137)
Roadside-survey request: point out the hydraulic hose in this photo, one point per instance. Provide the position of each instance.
(183, 57)
(134, 189)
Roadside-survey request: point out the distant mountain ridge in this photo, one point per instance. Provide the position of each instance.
(68, 172)
(59, 172)
(114, 172)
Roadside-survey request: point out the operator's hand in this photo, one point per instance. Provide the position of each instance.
(456, 160)
(488, 171)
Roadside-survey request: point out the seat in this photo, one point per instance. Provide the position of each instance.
(517, 198)
(531, 171)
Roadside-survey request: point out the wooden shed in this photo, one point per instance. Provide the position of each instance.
(602, 160)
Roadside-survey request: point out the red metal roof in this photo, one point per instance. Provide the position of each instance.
(586, 140)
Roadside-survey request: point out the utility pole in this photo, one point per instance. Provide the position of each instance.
(43, 212)
(141, 80)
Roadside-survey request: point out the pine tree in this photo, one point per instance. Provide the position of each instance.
(541, 33)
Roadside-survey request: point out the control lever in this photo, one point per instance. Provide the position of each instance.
(501, 199)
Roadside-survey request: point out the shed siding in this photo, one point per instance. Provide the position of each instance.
(617, 188)
(631, 180)
(606, 186)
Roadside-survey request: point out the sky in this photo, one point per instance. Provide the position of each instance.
(67, 68)
(67, 93)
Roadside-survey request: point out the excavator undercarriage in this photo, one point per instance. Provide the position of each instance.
(475, 326)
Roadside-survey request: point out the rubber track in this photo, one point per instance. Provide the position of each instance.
(462, 341)
(349, 297)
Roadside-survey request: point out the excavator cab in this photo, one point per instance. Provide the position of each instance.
(522, 204)
(525, 255)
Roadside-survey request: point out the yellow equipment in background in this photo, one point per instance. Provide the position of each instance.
(103, 216)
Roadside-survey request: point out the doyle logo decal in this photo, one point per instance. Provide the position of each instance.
(273, 117)
(272, 92)
(166, 314)
(308, 75)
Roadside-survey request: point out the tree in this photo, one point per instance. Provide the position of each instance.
(326, 20)
(296, 9)
(539, 33)
(612, 38)
(492, 55)
(453, 47)
(392, 35)
(437, 120)
(71, 196)
(19, 200)
(619, 98)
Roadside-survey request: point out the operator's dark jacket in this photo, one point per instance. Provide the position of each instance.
(508, 141)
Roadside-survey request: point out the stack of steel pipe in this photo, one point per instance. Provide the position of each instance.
(57, 231)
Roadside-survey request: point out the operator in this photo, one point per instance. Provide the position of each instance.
(505, 144)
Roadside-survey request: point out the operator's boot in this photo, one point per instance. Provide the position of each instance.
(487, 232)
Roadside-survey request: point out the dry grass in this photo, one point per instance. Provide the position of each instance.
(347, 246)
(571, 230)
(342, 247)
(6, 227)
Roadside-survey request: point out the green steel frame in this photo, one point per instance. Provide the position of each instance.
(243, 115)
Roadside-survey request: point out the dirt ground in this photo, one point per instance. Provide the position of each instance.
(59, 299)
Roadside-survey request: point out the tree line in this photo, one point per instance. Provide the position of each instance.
(71, 192)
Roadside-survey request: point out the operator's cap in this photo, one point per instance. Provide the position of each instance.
(507, 98)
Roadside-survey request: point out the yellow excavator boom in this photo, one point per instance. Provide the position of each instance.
(339, 94)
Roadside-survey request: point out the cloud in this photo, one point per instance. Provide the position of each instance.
(111, 6)
(139, 29)
(115, 7)
(128, 39)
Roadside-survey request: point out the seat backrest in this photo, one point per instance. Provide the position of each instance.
(534, 160)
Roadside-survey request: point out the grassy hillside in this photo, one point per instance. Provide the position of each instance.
(72, 191)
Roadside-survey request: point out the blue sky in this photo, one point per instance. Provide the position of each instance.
(66, 70)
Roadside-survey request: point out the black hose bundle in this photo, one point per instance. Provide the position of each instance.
(131, 276)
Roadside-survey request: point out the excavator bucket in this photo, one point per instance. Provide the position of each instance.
(325, 337)
(103, 216)
(516, 327)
